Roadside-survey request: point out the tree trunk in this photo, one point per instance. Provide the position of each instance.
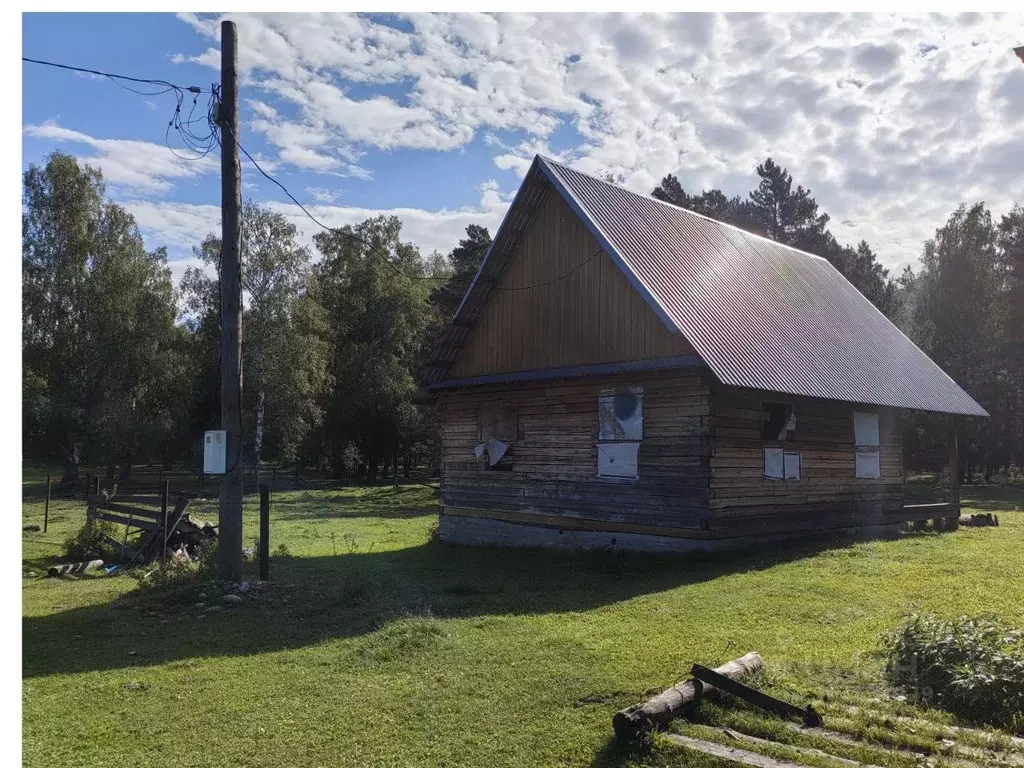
(258, 448)
(71, 465)
(407, 464)
(656, 712)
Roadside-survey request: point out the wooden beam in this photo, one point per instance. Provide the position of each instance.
(758, 698)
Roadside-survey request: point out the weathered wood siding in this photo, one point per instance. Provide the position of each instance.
(594, 315)
(827, 495)
(554, 478)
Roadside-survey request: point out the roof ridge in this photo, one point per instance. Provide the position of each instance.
(742, 231)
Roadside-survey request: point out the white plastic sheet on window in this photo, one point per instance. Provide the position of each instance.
(791, 466)
(868, 464)
(495, 450)
(617, 459)
(774, 462)
(620, 414)
(865, 428)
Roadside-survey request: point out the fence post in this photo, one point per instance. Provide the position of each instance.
(264, 533)
(273, 481)
(164, 492)
(46, 512)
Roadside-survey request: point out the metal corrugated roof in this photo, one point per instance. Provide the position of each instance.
(760, 314)
(598, 369)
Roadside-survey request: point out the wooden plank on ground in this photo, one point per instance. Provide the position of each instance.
(810, 751)
(736, 755)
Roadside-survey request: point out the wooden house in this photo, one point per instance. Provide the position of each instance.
(626, 373)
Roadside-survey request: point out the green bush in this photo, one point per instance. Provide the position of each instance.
(90, 542)
(970, 666)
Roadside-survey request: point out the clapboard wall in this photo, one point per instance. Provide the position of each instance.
(827, 495)
(553, 480)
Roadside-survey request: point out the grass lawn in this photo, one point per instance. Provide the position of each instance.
(376, 646)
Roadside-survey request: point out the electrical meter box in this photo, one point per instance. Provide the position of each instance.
(215, 450)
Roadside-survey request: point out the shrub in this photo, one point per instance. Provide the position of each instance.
(970, 666)
(90, 542)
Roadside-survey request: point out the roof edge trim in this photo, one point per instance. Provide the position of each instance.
(692, 360)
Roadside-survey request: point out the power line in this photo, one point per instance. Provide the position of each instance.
(115, 77)
(202, 146)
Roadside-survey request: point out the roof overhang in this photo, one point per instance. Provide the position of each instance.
(576, 371)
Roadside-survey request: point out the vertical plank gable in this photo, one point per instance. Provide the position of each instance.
(588, 312)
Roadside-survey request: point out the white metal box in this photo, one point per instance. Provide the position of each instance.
(215, 450)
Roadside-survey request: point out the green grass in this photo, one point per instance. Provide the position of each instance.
(375, 646)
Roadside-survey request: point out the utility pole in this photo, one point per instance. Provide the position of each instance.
(230, 539)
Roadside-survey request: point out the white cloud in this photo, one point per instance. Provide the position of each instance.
(138, 165)
(181, 226)
(890, 120)
(322, 196)
(874, 113)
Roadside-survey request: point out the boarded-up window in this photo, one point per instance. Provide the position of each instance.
(791, 466)
(774, 463)
(620, 428)
(780, 464)
(499, 423)
(621, 415)
(866, 438)
(617, 459)
(778, 422)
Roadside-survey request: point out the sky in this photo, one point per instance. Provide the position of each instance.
(890, 120)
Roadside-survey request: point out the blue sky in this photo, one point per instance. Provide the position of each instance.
(891, 121)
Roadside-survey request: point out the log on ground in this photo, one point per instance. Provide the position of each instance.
(68, 569)
(657, 711)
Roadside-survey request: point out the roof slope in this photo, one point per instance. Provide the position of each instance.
(761, 314)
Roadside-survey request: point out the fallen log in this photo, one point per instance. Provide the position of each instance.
(657, 711)
(69, 569)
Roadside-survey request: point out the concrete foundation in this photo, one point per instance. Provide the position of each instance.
(477, 531)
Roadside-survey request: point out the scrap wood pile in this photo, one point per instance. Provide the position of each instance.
(731, 744)
(149, 532)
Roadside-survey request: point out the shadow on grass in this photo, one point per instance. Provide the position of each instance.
(316, 599)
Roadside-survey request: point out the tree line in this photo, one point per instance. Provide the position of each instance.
(121, 367)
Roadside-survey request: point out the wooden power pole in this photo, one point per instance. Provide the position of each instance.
(230, 539)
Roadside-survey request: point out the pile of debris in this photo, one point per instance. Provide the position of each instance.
(150, 533)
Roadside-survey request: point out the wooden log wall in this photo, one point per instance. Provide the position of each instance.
(554, 479)
(827, 495)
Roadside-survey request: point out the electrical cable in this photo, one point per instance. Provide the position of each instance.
(374, 249)
(115, 77)
(201, 146)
